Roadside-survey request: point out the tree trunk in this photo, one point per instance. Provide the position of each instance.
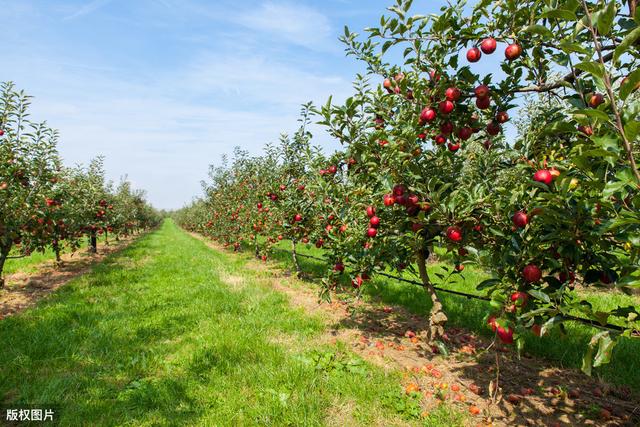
(4, 253)
(437, 318)
(632, 8)
(294, 255)
(93, 243)
(56, 249)
(255, 241)
(106, 237)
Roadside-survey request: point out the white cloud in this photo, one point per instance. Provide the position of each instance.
(87, 8)
(295, 23)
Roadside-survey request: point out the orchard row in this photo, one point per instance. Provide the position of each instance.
(527, 172)
(44, 204)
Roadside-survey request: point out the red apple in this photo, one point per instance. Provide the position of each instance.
(453, 147)
(446, 128)
(446, 107)
(482, 91)
(519, 298)
(595, 100)
(297, 218)
(372, 232)
(374, 222)
(493, 128)
(544, 176)
(505, 335)
(531, 273)
(332, 169)
(428, 114)
(513, 51)
(488, 45)
(399, 190)
(371, 211)
(454, 233)
(339, 267)
(452, 94)
(502, 117)
(465, 133)
(473, 54)
(440, 139)
(389, 200)
(483, 103)
(520, 219)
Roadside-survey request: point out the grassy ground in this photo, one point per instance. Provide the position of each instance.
(31, 263)
(170, 332)
(566, 351)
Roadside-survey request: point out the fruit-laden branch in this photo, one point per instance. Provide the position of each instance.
(611, 95)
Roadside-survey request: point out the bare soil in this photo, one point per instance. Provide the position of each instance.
(25, 290)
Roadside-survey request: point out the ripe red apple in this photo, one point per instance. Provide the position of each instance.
(493, 128)
(387, 83)
(488, 45)
(371, 211)
(332, 169)
(519, 298)
(513, 51)
(531, 273)
(491, 321)
(453, 147)
(413, 199)
(389, 200)
(374, 221)
(319, 243)
(357, 283)
(428, 114)
(483, 103)
(452, 94)
(372, 232)
(536, 329)
(399, 190)
(459, 267)
(520, 219)
(422, 136)
(595, 100)
(544, 176)
(446, 128)
(505, 335)
(473, 54)
(339, 267)
(586, 130)
(454, 233)
(465, 133)
(440, 139)
(565, 277)
(446, 107)
(1, 132)
(502, 117)
(283, 187)
(482, 91)
(297, 218)
(301, 187)
(383, 142)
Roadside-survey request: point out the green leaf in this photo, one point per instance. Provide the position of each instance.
(487, 283)
(603, 19)
(562, 14)
(630, 84)
(593, 68)
(626, 43)
(539, 29)
(539, 295)
(593, 113)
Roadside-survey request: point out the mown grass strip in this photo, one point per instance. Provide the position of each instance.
(159, 334)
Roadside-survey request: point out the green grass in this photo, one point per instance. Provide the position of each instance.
(156, 335)
(562, 350)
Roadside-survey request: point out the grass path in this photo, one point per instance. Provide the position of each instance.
(169, 332)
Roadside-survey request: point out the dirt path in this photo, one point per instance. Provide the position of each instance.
(525, 392)
(25, 290)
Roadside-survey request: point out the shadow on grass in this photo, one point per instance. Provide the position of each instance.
(563, 350)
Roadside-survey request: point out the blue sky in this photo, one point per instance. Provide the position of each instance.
(163, 88)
